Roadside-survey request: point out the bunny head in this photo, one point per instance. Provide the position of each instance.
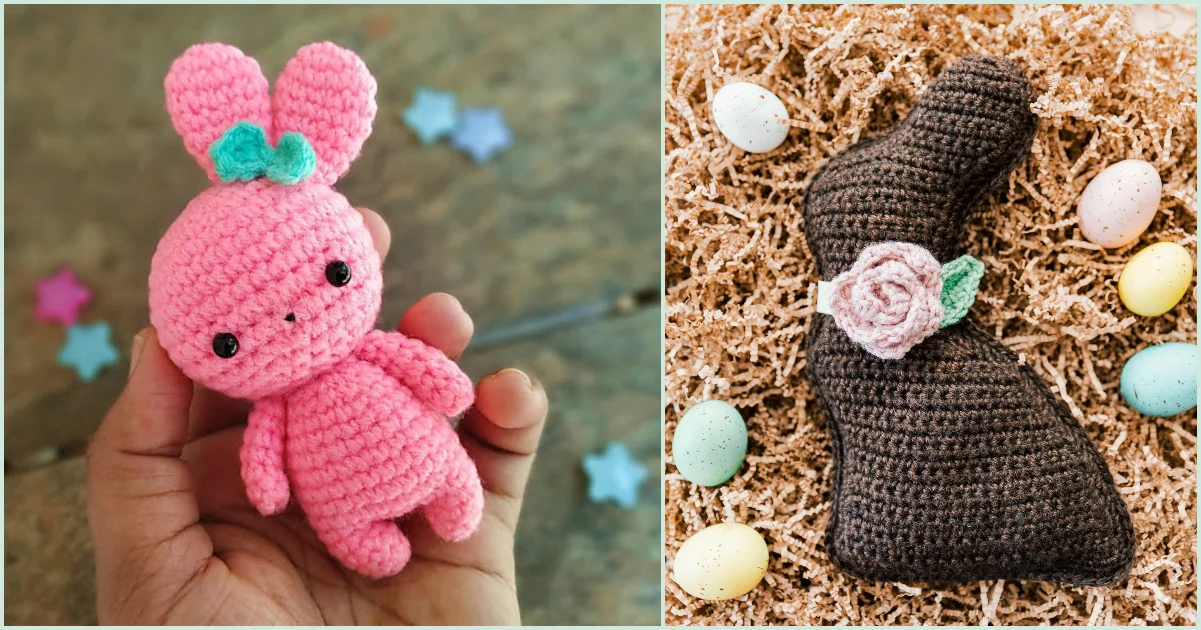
(268, 277)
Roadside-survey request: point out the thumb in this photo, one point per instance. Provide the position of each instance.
(141, 508)
(150, 416)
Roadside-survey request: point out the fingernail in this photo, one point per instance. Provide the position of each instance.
(454, 300)
(135, 350)
(529, 383)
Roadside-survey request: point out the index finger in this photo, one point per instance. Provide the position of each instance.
(439, 320)
(380, 234)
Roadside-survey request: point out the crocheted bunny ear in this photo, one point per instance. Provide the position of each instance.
(918, 183)
(210, 88)
(326, 94)
(953, 459)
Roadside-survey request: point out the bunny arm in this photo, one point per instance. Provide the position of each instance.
(263, 457)
(426, 371)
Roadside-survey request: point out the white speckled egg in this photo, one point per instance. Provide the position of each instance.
(1118, 205)
(721, 562)
(750, 117)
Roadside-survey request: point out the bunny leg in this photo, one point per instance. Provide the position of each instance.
(455, 512)
(375, 549)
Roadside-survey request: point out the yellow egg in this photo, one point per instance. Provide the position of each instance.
(1155, 279)
(721, 562)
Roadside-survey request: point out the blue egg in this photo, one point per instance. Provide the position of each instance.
(710, 443)
(1161, 380)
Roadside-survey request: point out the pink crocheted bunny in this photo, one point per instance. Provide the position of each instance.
(267, 288)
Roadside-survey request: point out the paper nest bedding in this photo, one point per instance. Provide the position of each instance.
(741, 284)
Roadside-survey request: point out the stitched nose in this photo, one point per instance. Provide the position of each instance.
(290, 317)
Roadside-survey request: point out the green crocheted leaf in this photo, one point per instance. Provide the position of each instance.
(960, 280)
(241, 154)
(294, 160)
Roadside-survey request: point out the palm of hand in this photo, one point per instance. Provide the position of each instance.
(274, 570)
(178, 541)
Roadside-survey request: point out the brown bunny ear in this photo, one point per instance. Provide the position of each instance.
(210, 88)
(917, 183)
(326, 94)
(953, 462)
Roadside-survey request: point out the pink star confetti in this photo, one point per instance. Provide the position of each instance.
(60, 297)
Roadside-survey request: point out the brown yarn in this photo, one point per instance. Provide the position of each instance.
(740, 283)
(953, 462)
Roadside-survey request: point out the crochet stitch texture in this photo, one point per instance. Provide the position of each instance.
(888, 301)
(350, 419)
(960, 281)
(955, 462)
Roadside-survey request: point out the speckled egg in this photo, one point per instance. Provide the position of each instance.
(750, 117)
(721, 562)
(1161, 380)
(709, 443)
(1118, 205)
(1155, 279)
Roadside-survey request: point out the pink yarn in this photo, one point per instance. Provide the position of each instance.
(888, 301)
(326, 93)
(352, 419)
(210, 88)
(362, 449)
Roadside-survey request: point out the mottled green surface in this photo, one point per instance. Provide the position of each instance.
(94, 174)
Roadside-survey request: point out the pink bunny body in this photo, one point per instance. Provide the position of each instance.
(361, 450)
(269, 292)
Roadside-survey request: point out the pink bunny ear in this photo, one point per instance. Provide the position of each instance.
(210, 88)
(326, 94)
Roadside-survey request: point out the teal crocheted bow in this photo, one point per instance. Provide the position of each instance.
(243, 154)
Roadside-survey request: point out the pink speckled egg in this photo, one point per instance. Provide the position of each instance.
(1118, 205)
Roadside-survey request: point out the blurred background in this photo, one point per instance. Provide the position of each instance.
(552, 246)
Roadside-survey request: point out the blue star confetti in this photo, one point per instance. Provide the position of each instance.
(481, 133)
(614, 474)
(431, 116)
(88, 350)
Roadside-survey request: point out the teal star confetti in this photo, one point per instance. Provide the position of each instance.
(431, 116)
(481, 133)
(614, 474)
(88, 349)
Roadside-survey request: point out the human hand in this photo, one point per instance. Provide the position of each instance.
(177, 540)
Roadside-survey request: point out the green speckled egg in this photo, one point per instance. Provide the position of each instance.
(1161, 380)
(710, 443)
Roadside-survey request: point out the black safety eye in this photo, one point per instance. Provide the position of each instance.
(225, 345)
(338, 273)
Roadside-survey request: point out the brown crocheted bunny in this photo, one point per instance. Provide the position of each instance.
(954, 461)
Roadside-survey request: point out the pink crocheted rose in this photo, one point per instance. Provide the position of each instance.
(888, 301)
